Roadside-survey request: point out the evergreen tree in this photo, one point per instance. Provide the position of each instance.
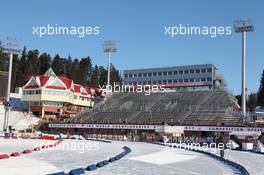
(23, 62)
(33, 62)
(85, 70)
(45, 63)
(15, 73)
(103, 76)
(57, 65)
(69, 67)
(95, 78)
(261, 91)
(114, 75)
(75, 71)
(22, 76)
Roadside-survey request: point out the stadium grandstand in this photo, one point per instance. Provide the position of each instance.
(204, 110)
(213, 107)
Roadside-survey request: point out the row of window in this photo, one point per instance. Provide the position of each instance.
(169, 73)
(57, 93)
(46, 103)
(31, 92)
(186, 80)
(47, 92)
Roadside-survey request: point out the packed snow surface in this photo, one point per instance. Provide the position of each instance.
(144, 159)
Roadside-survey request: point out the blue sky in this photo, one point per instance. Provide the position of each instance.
(138, 28)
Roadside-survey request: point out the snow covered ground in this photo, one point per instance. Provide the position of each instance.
(19, 145)
(144, 159)
(251, 161)
(18, 120)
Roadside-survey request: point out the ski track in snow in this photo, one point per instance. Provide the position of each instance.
(145, 159)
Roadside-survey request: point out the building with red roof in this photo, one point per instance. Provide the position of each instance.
(49, 94)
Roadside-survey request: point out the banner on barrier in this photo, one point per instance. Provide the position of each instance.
(107, 126)
(160, 128)
(223, 129)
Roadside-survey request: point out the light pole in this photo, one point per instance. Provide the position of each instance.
(109, 47)
(10, 47)
(243, 26)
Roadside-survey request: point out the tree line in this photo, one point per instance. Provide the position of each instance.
(80, 70)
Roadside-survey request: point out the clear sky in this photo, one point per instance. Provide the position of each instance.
(138, 28)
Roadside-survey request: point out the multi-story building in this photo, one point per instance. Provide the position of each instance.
(53, 95)
(202, 76)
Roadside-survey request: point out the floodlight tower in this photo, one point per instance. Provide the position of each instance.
(243, 26)
(10, 47)
(109, 47)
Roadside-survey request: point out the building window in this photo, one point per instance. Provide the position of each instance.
(159, 73)
(180, 80)
(197, 71)
(181, 72)
(203, 70)
(130, 75)
(149, 82)
(139, 74)
(191, 79)
(169, 81)
(126, 75)
(139, 83)
(144, 82)
(159, 81)
(135, 75)
(134, 83)
(154, 82)
(149, 74)
(154, 73)
(209, 69)
(186, 71)
(165, 73)
(191, 71)
(197, 79)
(203, 79)
(144, 74)
(175, 72)
(186, 80)
(170, 73)
(164, 81)
(209, 79)
(175, 81)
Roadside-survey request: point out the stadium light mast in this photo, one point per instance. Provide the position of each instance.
(243, 26)
(109, 47)
(10, 47)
